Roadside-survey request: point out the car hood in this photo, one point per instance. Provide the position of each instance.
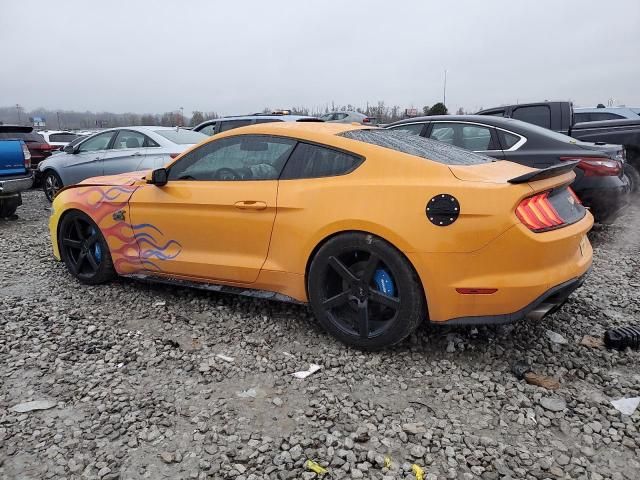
(122, 179)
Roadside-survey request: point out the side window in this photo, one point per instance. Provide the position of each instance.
(99, 142)
(231, 124)
(538, 115)
(495, 113)
(470, 137)
(268, 120)
(443, 132)
(582, 117)
(340, 116)
(413, 128)
(131, 139)
(313, 161)
(476, 138)
(244, 157)
(507, 140)
(209, 129)
(597, 116)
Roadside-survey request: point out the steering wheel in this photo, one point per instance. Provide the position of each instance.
(227, 174)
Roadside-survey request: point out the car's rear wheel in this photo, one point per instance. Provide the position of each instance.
(51, 183)
(84, 250)
(364, 291)
(633, 176)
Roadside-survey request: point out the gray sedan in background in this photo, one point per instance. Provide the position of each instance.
(348, 117)
(118, 150)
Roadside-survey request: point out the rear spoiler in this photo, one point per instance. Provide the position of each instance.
(549, 172)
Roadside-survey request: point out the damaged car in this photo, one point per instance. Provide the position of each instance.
(376, 230)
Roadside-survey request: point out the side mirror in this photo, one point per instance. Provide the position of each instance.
(69, 149)
(159, 177)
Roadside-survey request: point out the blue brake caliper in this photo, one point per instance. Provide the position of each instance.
(97, 251)
(384, 282)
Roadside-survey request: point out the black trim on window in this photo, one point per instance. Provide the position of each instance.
(359, 160)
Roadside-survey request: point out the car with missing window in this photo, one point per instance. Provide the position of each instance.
(376, 229)
(223, 124)
(600, 181)
(113, 151)
(348, 117)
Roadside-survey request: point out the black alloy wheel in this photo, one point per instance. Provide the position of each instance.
(51, 184)
(364, 291)
(84, 250)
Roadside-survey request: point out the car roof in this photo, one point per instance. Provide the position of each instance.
(503, 122)
(302, 130)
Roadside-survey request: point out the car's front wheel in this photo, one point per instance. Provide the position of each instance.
(364, 291)
(51, 183)
(84, 250)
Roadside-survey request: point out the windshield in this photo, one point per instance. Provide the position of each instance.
(405, 142)
(545, 132)
(182, 137)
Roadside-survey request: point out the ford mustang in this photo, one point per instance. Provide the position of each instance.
(376, 229)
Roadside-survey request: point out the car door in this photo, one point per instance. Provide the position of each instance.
(127, 152)
(474, 137)
(213, 219)
(86, 161)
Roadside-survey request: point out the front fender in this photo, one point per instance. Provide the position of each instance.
(108, 207)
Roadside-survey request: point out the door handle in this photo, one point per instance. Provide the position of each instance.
(250, 205)
(137, 154)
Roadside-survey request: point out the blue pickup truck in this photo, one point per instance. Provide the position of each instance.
(15, 175)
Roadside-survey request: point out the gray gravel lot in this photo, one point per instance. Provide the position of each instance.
(140, 393)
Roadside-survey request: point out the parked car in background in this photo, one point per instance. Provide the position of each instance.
(15, 175)
(114, 151)
(560, 116)
(599, 182)
(377, 230)
(219, 125)
(348, 117)
(597, 114)
(36, 143)
(58, 138)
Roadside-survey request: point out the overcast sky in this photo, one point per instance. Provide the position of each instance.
(240, 56)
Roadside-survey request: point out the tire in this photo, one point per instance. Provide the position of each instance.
(51, 184)
(9, 205)
(84, 250)
(634, 178)
(364, 291)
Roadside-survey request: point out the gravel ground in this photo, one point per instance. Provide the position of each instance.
(138, 391)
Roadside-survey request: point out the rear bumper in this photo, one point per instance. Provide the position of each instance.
(15, 185)
(523, 267)
(606, 198)
(544, 305)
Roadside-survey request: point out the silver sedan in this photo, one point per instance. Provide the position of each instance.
(114, 151)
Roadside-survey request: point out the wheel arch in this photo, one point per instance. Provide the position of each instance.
(337, 233)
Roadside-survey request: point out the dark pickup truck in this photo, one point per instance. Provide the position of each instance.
(559, 116)
(15, 175)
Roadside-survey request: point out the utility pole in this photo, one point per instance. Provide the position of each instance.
(181, 117)
(18, 108)
(58, 115)
(444, 91)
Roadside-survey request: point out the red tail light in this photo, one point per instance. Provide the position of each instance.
(45, 146)
(173, 155)
(597, 166)
(538, 214)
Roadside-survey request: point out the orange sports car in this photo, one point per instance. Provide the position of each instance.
(376, 229)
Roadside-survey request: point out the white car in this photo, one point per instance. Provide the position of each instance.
(58, 138)
(348, 117)
(113, 151)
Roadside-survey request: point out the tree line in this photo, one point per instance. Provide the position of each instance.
(68, 119)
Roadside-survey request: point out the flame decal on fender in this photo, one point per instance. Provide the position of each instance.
(133, 247)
